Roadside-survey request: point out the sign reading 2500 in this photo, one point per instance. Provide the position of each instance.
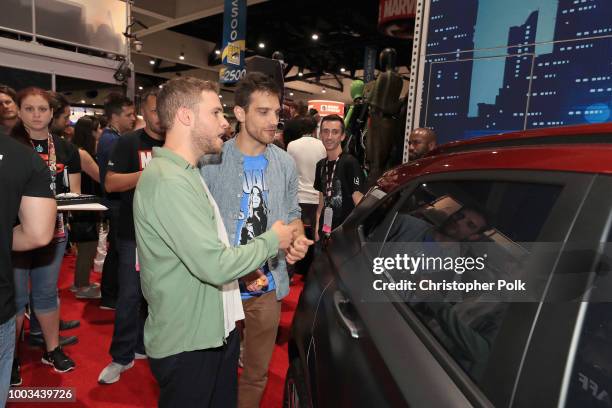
(234, 32)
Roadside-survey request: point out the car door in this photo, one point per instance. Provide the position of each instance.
(369, 348)
(568, 362)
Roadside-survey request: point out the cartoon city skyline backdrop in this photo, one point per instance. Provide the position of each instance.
(497, 66)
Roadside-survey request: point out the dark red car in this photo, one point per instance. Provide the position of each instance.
(354, 346)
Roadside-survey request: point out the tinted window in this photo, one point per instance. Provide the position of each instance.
(377, 223)
(591, 378)
(506, 215)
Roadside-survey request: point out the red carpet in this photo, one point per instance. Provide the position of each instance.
(137, 387)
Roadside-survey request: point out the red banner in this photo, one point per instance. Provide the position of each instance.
(327, 107)
(396, 17)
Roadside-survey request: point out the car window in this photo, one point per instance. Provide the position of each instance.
(376, 225)
(591, 377)
(510, 215)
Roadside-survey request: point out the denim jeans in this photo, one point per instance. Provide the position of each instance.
(40, 266)
(129, 321)
(7, 347)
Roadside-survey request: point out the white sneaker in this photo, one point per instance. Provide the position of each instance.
(112, 372)
(88, 292)
(75, 289)
(138, 356)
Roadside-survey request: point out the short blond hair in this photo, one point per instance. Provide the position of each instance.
(178, 93)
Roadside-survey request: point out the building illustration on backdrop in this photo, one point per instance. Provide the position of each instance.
(570, 85)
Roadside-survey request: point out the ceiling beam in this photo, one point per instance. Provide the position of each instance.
(197, 15)
(149, 13)
(174, 68)
(303, 77)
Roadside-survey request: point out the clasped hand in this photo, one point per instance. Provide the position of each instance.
(292, 240)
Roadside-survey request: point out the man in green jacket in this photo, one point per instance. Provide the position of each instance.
(188, 269)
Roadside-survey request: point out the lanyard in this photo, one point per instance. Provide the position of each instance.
(51, 160)
(329, 181)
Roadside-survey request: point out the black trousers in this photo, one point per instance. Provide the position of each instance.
(309, 219)
(109, 286)
(201, 378)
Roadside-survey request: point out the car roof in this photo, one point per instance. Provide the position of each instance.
(581, 148)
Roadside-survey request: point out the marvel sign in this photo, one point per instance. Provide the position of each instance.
(396, 17)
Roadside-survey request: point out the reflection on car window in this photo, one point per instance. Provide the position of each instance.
(591, 378)
(376, 224)
(507, 214)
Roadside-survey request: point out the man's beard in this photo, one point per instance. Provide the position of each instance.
(201, 143)
(260, 137)
(157, 130)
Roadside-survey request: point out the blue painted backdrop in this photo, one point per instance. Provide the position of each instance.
(503, 65)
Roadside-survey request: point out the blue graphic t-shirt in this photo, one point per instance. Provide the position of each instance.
(253, 218)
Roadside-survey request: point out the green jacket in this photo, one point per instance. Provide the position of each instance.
(182, 261)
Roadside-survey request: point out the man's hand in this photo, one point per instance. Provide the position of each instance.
(284, 233)
(298, 249)
(255, 281)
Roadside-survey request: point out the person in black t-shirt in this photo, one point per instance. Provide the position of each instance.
(43, 265)
(68, 170)
(25, 185)
(338, 178)
(130, 156)
(83, 224)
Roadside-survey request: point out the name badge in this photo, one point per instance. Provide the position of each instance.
(328, 216)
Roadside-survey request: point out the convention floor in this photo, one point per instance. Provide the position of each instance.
(137, 387)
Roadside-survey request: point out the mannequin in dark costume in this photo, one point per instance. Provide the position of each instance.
(384, 104)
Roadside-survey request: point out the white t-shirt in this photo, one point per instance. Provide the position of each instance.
(230, 292)
(307, 151)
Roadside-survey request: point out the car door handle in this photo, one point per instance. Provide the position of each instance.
(353, 328)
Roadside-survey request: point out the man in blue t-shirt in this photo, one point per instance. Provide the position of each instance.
(255, 184)
(121, 119)
(253, 220)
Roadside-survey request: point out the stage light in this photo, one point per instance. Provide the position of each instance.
(342, 69)
(182, 56)
(152, 61)
(218, 52)
(262, 45)
(315, 37)
(140, 88)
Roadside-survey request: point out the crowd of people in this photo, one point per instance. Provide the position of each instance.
(204, 227)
